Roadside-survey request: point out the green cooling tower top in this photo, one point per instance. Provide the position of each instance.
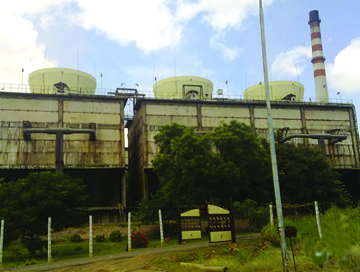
(61, 80)
(183, 87)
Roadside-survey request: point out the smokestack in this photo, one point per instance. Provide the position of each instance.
(318, 59)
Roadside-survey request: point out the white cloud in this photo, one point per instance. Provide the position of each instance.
(153, 25)
(229, 54)
(220, 14)
(149, 24)
(344, 73)
(291, 63)
(18, 41)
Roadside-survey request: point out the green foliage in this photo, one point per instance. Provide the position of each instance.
(235, 162)
(187, 163)
(138, 240)
(340, 231)
(75, 238)
(258, 216)
(26, 204)
(305, 176)
(270, 234)
(100, 238)
(115, 236)
(244, 255)
(244, 160)
(33, 244)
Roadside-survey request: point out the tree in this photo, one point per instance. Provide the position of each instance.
(148, 212)
(235, 162)
(246, 152)
(184, 165)
(191, 172)
(26, 204)
(306, 176)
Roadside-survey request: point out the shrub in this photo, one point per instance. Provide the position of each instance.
(249, 209)
(100, 238)
(115, 236)
(138, 240)
(75, 238)
(270, 234)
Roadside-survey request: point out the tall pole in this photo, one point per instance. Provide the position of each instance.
(272, 147)
(129, 231)
(318, 218)
(271, 215)
(49, 239)
(161, 229)
(1, 242)
(90, 236)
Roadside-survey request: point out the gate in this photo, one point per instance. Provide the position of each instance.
(189, 224)
(221, 224)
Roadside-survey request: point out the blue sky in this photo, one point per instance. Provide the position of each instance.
(133, 41)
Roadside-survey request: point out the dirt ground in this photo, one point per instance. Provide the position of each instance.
(139, 263)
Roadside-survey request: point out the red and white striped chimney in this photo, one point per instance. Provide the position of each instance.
(318, 59)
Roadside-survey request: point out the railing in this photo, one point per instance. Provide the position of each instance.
(24, 88)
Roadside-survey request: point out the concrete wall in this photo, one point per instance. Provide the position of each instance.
(68, 111)
(100, 163)
(308, 118)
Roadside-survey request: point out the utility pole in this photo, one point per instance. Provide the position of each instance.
(272, 147)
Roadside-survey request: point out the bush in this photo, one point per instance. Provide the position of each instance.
(270, 234)
(249, 209)
(75, 238)
(138, 240)
(115, 236)
(100, 238)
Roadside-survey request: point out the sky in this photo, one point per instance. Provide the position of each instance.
(131, 42)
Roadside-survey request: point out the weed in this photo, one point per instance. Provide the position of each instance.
(200, 256)
(157, 260)
(186, 257)
(75, 238)
(115, 236)
(270, 234)
(243, 255)
(30, 262)
(100, 238)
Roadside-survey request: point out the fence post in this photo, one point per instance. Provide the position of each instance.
(49, 239)
(1, 241)
(129, 231)
(90, 237)
(161, 229)
(271, 215)
(318, 219)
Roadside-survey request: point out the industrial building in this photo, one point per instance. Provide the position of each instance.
(189, 101)
(294, 116)
(60, 122)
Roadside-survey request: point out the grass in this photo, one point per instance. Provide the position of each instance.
(337, 251)
(16, 255)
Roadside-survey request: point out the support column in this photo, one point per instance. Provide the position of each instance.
(199, 117)
(123, 189)
(303, 126)
(252, 118)
(59, 162)
(61, 113)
